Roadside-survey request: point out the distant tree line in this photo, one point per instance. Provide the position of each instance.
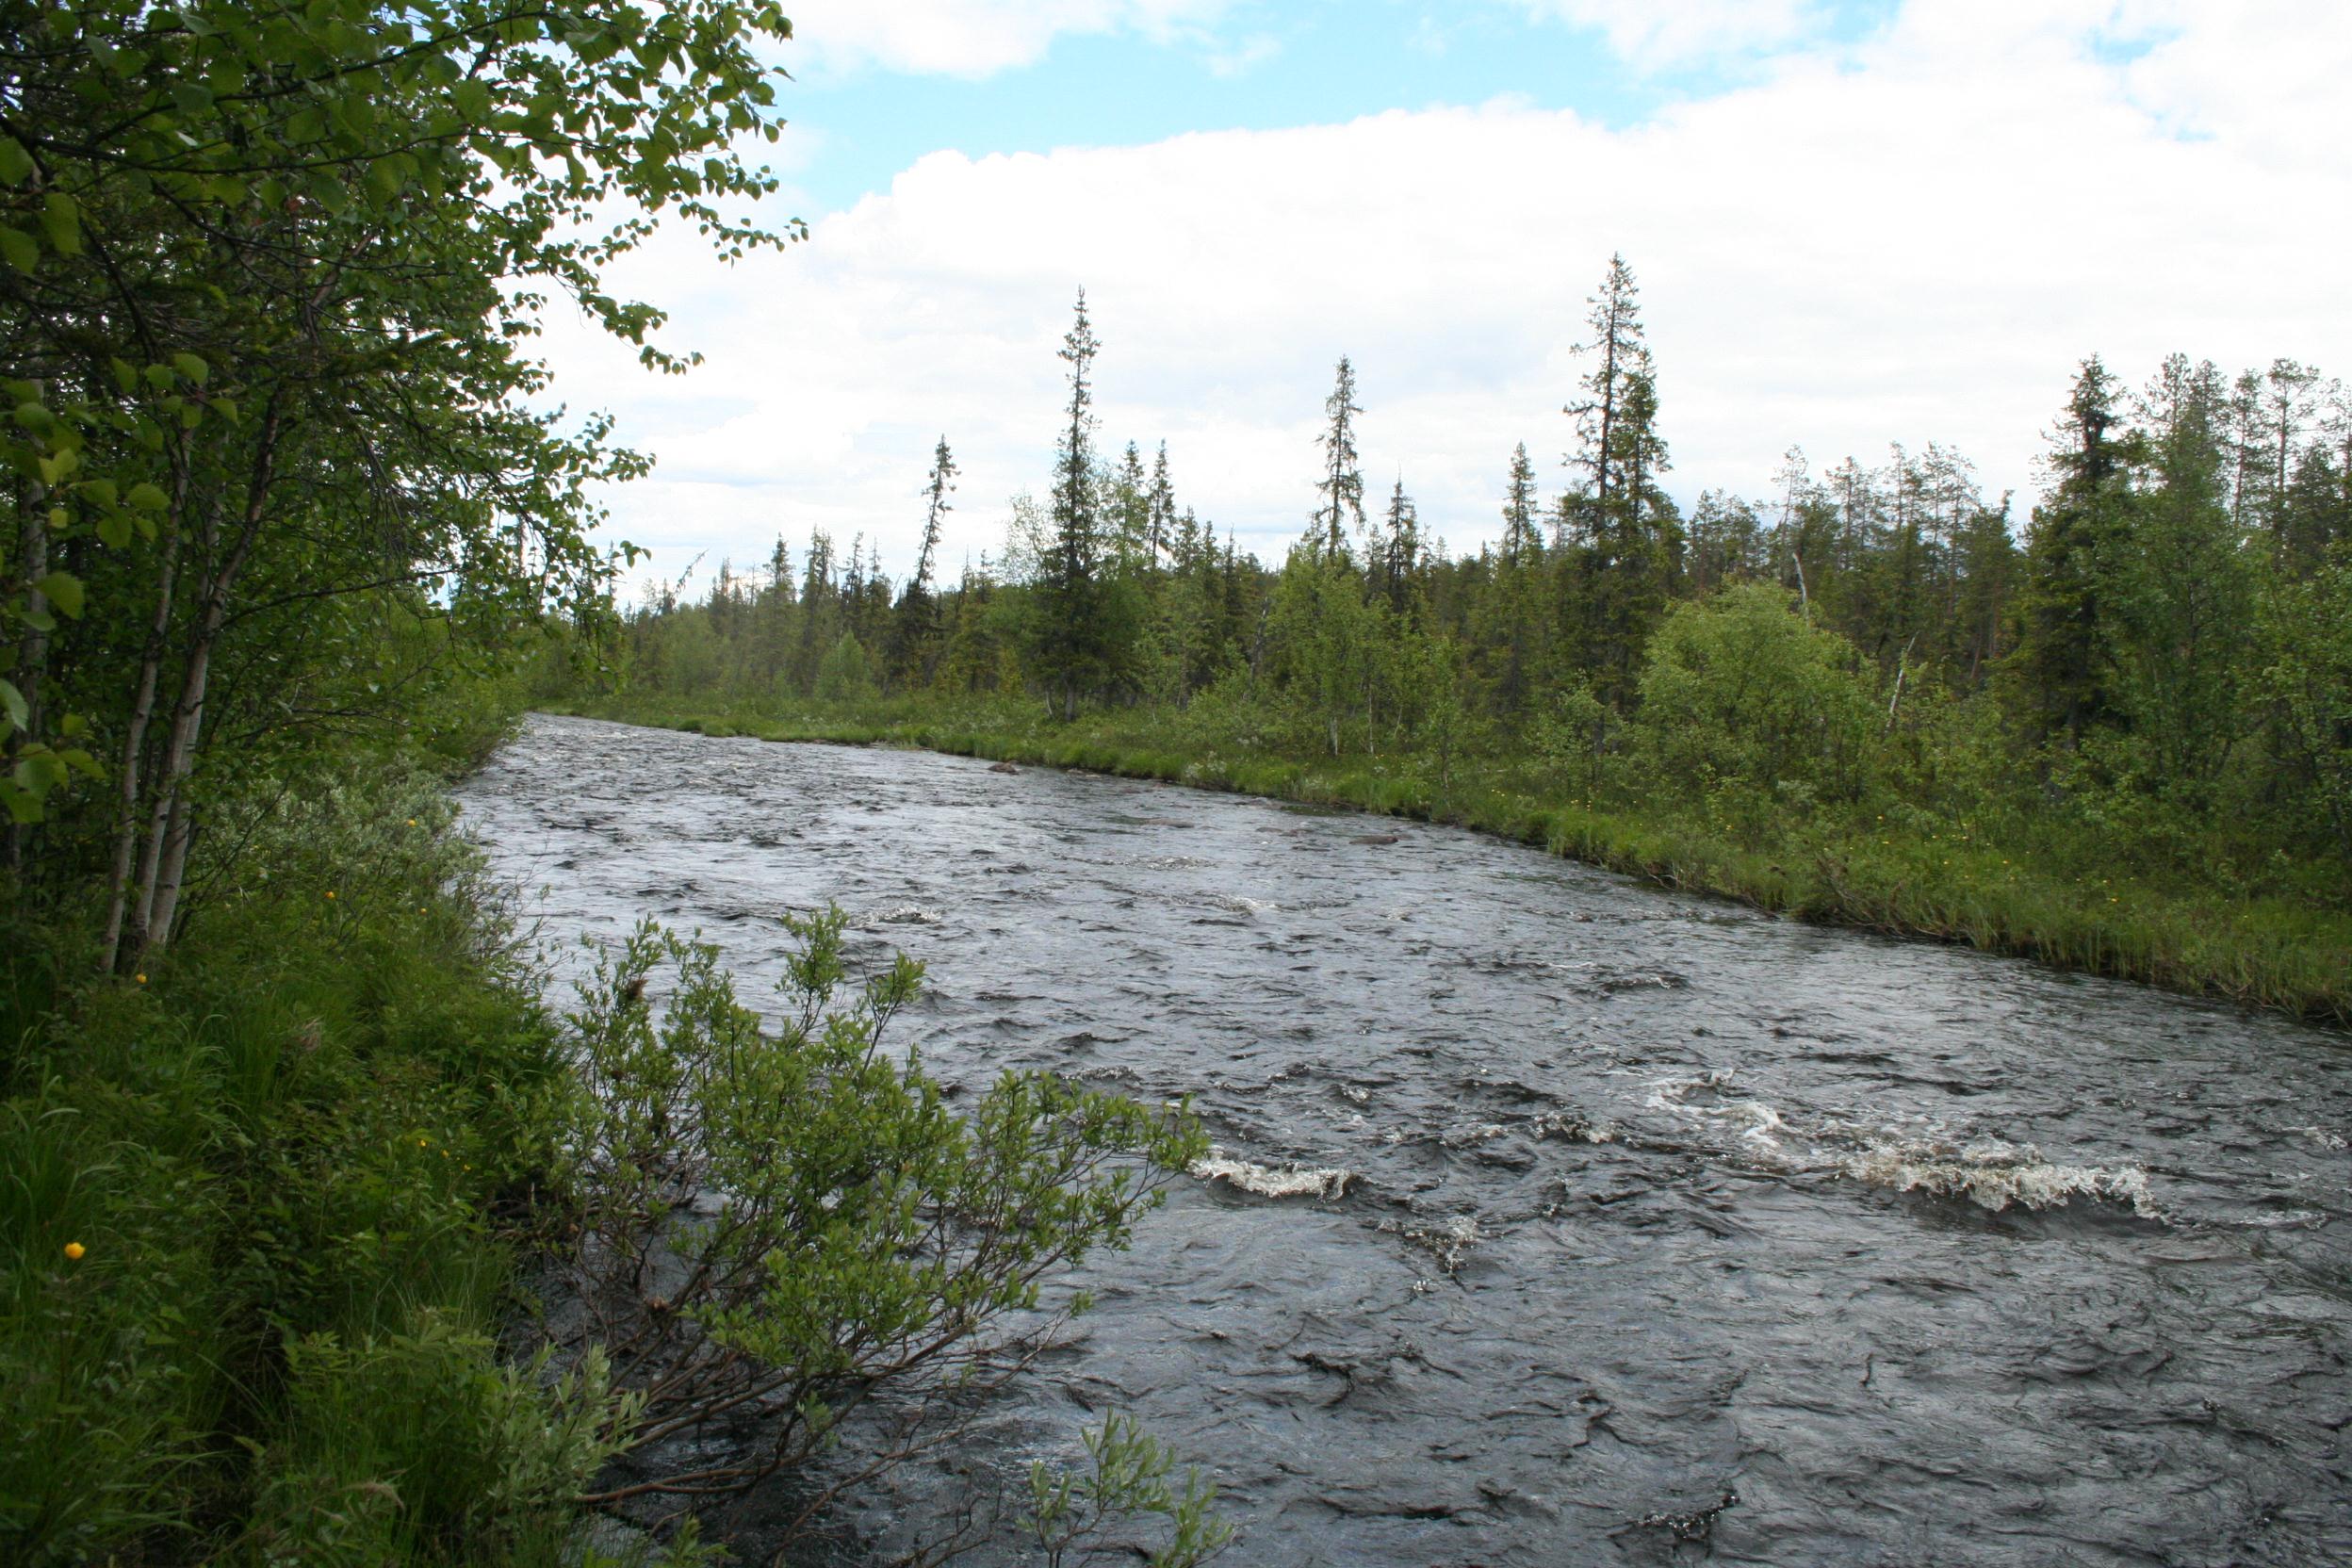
(2169, 641)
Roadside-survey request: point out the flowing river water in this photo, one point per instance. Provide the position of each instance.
(1556, 1218)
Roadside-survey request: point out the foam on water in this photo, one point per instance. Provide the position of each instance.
(1266, 1181)
(1994, 1175)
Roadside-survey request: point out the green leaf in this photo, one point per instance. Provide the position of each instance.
(191, 367)
(125, 375)
(23, 805)
(472, 99)
(16, 164)
(62, 218)
(38, 772)
(19, 249)
(12, 704)
(115, 529)
(147, 497)
(64, 590)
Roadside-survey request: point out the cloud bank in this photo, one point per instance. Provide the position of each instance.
(1913, 237)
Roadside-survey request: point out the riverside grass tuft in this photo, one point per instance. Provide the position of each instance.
(1912, 877)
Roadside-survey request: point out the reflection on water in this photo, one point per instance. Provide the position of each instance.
(1550, 1211)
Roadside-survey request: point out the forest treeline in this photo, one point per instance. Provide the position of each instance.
(2150, 677)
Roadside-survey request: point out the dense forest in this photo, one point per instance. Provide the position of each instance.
(2149, 676)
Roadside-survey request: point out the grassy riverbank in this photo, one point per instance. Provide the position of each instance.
(260, 1210)
(2002, 891)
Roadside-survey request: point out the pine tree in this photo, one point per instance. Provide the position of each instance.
(2183, 588)
(915, 630)
(819, 611)
(1130, 514)
(1522, 543)
(1508, 644)
(1631, 539)
(1071, 640)
(1161, 507)
(2064, 660)
(1342, 486)
(1623, 362)
(1397, 562)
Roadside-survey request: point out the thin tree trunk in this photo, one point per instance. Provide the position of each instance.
(171, 827)
(142, 714)
(32, 657)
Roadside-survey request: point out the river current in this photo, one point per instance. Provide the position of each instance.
(1555, 1218)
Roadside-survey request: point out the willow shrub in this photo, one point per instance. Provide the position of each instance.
(779, 1226)
(1739, 691)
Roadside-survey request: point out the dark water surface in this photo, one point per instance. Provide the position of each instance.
(1616, 1202)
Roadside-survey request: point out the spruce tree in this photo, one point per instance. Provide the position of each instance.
(1161, 507)
(2064, 661)
(1342, 486)
(915, 630)
(1509, 644)
(2184, 590)
(1130, 514)
(1399, 560)
(1630, 538)
(1070, 639)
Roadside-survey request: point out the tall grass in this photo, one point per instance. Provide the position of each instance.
(257, 1217)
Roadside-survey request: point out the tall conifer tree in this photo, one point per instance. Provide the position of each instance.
(1342, 486)
(1069, 638)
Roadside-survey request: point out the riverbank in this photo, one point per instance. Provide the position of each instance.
(1944, 882)
(261, 1207)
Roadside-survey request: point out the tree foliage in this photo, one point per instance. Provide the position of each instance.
(269, 277)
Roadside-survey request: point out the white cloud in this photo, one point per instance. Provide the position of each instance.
(973, 38)
(1654, 33)
(1915, 239)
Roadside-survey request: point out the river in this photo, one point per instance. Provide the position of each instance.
(1616, 1204)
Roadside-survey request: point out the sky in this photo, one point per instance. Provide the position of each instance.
(1852, 224)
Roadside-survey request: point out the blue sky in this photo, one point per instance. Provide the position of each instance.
(1260, 66)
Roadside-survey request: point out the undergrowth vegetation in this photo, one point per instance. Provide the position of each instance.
(326, 1241)
(257, 1216)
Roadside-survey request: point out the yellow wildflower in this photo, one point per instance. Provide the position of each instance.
(73, 1249)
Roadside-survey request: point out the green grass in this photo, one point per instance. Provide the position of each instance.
(293, 1160)
(1916, 876)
